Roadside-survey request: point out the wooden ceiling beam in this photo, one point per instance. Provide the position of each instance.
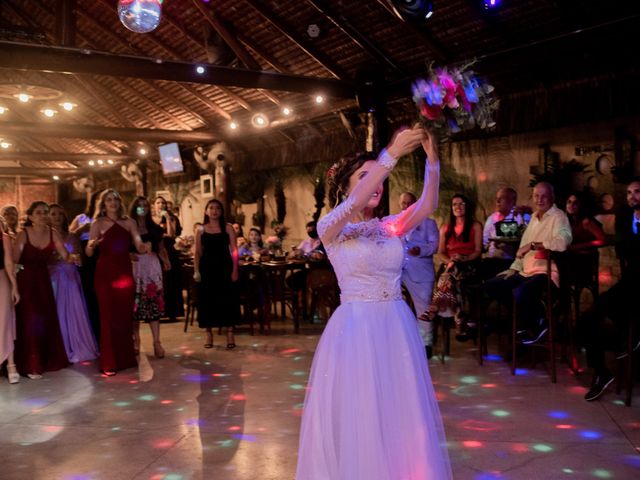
(96, 132)
(356, 35)
(323, 60)
(21, 56)
(206, 101)
(270, 59)
(61, 156)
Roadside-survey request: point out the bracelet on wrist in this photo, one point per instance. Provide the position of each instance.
(386, 160)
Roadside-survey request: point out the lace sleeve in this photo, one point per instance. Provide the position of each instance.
(332, 223)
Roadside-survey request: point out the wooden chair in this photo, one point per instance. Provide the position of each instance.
(253, 290)
(322, 289)
(280, 293)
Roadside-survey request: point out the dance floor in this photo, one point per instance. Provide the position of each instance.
(235, 415)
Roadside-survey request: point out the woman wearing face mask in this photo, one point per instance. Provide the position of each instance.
(113, 234)
(370, 411)
(39, 344)
(147, 272)
(67, 289)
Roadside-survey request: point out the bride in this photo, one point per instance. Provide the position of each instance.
(370, 411)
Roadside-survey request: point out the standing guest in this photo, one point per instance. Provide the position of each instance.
(499, 247)
(8, 299)
(114, 233)
(67, 289)
(173, 301)
(370, 411)
(11, 217)
(619, 303)
(255, 245)
(459, 250)
(147, 273)
(417, 271)
(526, 280)
(39, 344)
(216, 268)
(80, 226)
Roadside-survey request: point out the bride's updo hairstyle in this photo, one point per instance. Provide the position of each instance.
(340, 172)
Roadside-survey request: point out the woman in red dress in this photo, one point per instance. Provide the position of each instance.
(111, 236)
(39, 345)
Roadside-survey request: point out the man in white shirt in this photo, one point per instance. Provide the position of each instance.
(499, 247)
(417, 271)
(312, 243)
(525, 281)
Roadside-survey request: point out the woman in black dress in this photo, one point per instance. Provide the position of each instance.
(216, 268)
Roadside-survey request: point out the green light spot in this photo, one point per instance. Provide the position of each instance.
(469, 379)
(567, 470)
(255, 345)
(297, 358)
(500, 413)
(541, 447)
(181, 409)
(147, 398)
(122, 404)
(299, 373)
(207, 363)
(215, 391)
(296, 386)
(115, 429)
(226, 443)
(172, 476)
(618, 402)
(600, 473)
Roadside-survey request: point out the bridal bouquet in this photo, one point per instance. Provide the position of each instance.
(455, 99)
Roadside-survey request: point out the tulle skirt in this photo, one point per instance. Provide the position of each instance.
(370, 411)
(7, 318)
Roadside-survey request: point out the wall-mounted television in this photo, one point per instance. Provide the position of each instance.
(170, 159)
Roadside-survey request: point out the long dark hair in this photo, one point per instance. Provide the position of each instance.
(65, 221)
(91, 207)
(152, 227)
(221, 220)
(257, 230)
(469, 219)
(339, 174)
(32, 208)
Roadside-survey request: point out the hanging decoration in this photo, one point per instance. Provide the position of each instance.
(452, 100)
(140, 16)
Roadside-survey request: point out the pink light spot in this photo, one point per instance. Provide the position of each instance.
(520, 448)
(482, 176)
(440, 396)
(472, 444)
(235, 428)
(52, 428)
(245, 375)
(85, 363)
(565, 427)
(166, 402)
(479, 426)
(162, 443)
(133, 382)
(578, 390)
(489, 385)
(238, 397)
(289, 351)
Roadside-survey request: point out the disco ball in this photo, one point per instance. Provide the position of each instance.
(140, 16)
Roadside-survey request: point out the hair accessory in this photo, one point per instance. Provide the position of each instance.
(332, 170)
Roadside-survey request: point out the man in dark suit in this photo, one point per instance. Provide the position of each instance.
(616, 304)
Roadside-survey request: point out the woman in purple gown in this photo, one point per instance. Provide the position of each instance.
(67, 288)
(39, 345)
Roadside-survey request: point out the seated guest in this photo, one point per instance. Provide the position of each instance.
(459, 249)
(526, 279)
(503, 224)
(240, 240)
(617, 303)
(254, 246)
(311, 244)
(587, 236)
(417, 271)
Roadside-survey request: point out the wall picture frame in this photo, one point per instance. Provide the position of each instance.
(206, 186)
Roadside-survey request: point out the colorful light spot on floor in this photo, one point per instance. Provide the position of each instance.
(565, 426)
(489, 385)
(166, 402)
(469, 379)
(558, 414)
(296, 386)
(52, 428)
(133, 382)
(298, 373)
(234, 428)
(500, 413)
(225, 443)
(146, 398)
(542, 448)
(567, 470)
(219, 375)
(122, 404)
(633, 460)
(520, 448)
(244, 438)
(521, 371)
(194, 422)
(162, 443)
(479, 426)
(492, 358)
(238, 397)
(590, 435)
(601, 473)
(290, 351)
(215, 391)
(488, 476)
(472, 444)
(115, 429)
(618, 402)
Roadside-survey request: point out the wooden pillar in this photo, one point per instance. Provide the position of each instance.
(66, 22)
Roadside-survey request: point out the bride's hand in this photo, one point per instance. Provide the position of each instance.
(430, 146)
(405, 141)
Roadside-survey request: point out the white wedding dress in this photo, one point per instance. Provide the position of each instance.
(370, 411)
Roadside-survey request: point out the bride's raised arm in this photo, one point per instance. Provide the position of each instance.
(402, 143)
(410, 218)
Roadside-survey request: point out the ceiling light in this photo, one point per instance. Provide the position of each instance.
(233, 125)
(91, 163)
(200, 69)
(286, 110)
(49, 112)
(3, 109)
(142, 151)
(56, 178)
(100, 162)
(68, 106)
(110, 162)
(23, 97)
(260, 120)
(491, 3)
(5, 145)
(319, 99)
